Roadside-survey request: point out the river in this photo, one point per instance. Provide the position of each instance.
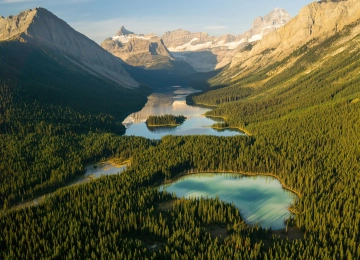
(93, 171)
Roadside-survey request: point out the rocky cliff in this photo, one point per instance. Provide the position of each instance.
(145, 51)
(315, 22)
(43, 29)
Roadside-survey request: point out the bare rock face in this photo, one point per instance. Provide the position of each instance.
(264, 25)
(123, 31)
(126, 45)
(316, 21)
(44, 29)
(206, 53)
(137, 50)
(146, 51)
(181, 37)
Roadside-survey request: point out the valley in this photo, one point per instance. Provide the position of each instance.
(286, 187)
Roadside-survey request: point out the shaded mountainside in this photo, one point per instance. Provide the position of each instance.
(47, 60)
(50, 78)
(43, 29)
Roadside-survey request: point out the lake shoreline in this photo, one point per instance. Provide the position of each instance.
(190, 186)
(229, 127)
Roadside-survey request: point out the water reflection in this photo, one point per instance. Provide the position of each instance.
(173, 102)
(105, 168)
(260, 199)
(161, 129)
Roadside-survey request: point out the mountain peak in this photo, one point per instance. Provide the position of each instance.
(27, 23)
(41, 28)
(276, 18)
(263, 25)
(123, 31)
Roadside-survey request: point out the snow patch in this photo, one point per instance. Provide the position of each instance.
(256, 37)
(234, 45)
(189, 47)
(126, 38)
(208, 45)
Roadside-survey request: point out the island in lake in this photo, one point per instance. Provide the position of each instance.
(165, 120)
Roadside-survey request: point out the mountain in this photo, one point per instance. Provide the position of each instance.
(145, 51)
(46, 60)
(42, 28)
(123, 31)
(262, 26)
(185, 52)
(206, 53)
(314, 24)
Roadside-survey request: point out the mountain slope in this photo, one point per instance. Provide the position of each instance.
(45, 58)
(45, 30)
(315, 22)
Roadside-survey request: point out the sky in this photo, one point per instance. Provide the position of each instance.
(100, 19)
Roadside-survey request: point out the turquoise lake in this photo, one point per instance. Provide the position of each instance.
(260, 199)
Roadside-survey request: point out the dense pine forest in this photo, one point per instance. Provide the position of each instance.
(304, 123)
(165, 120)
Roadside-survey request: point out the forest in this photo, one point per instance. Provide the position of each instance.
(165, 120)
(305, 130)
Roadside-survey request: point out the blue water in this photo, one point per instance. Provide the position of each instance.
(173, 102)
(260, 199)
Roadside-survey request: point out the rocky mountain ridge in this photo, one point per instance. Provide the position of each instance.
(42, 28)
(125, 44)
(145, 51)
(201, 51)
(181, 40)
(206, 53)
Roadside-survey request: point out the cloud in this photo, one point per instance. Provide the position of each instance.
(216, 27)
(17, 1)
(63, 2)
